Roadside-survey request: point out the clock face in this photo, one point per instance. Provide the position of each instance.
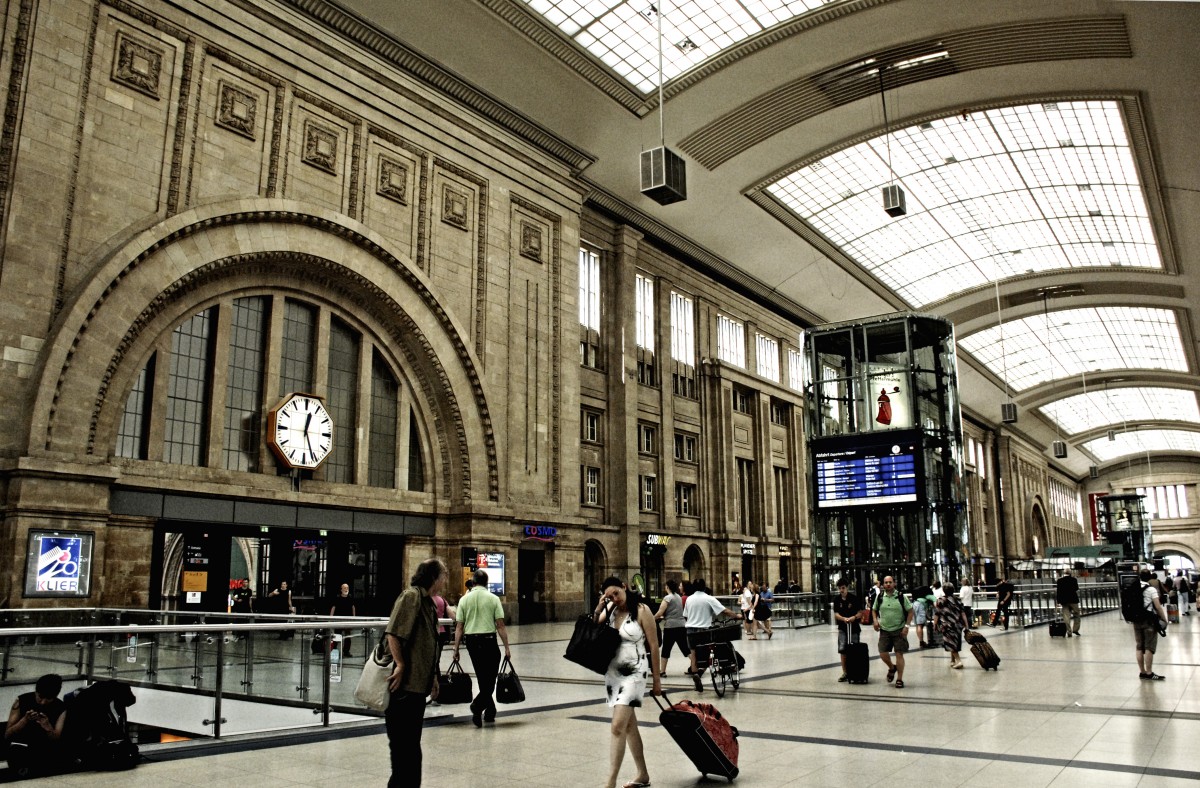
(301, 431)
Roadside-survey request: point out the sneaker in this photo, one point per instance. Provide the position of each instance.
(1153, 677)
(891, 675)
(844, 678)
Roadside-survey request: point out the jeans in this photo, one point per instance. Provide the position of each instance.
(405, 717)
(485, 658)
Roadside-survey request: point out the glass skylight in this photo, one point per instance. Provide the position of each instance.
(1079, 341)
(1138, 442)
(623, 34)
(990, 195)
(1111, 408)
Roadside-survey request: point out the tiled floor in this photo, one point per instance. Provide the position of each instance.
(1058, 712)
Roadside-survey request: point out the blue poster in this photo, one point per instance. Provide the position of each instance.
(493, 564)
(59, 562)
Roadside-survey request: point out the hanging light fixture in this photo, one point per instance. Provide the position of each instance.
(893, 195)
(663, 171)
(1059, 446)
(1008, 408)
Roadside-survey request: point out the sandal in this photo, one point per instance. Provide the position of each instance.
(636, 784)
(891, 674)
(899, 684)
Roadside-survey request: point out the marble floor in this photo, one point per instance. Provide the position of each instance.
(1058, 712)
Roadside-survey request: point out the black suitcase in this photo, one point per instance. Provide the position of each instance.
(1058, 629)
(858, 662)
(986, 656)
(704, 735)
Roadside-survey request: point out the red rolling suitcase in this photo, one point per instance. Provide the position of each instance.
(704, 735)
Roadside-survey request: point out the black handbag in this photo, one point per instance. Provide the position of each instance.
(593, 645)
(455, 686)
(508, 684)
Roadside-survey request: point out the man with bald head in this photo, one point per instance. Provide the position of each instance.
(892, 613)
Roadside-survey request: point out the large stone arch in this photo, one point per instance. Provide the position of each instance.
(179, 264)
(1037, 529)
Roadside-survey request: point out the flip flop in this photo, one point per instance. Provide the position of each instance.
(635, 784)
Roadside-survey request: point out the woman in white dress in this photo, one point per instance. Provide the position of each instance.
(625, 680)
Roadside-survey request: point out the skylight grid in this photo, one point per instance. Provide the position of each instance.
(1138, 442)
(1103, 408)
(1053, 186)
(1078, 341)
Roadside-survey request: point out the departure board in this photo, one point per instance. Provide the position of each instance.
(870, 473)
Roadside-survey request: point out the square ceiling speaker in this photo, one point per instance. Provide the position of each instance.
(1060, 449)
(893, 200)
(1008, 412)
(1093, 472)
(664, 176)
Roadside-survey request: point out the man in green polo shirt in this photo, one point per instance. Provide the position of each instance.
(893, 613)
(480, 616)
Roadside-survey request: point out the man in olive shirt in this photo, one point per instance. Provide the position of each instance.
(480, 616)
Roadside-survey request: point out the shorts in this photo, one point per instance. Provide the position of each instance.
(845, 638)
(1146, 636)
(919, 617)
(892, 641)
(676, 636)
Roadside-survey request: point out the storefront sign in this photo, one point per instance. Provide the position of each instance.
(747, 548)
(58, 564)
(662, 540)
(542, 533)
(785, 550)
(493, 564)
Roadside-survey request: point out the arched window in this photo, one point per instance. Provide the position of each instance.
(230, 363)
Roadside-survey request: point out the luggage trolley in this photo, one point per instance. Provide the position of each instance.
(714, 650)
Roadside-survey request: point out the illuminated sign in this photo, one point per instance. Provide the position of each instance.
(543, 533)
(493, 564)
(747, 548)
(58, 564)
(661, 540)
(785, 550)
(867, 472)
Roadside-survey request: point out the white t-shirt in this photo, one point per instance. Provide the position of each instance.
(967, 595)
(701, 610)
(938, 593)
(747, 595)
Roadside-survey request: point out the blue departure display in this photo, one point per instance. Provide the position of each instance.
(867, 474)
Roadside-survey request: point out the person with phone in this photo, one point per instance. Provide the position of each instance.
(35, 727)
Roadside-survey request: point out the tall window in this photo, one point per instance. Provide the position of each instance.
(795, 370)
(685, 499)
(649, 496)
(1166, 501)
(296, 355)
(745, 495)
(381, 458)
(343, 399)
(683, 346)
(416, 458)
(131, 435)
(188, 391)
(589, 308)
(589, 426)
(767, 357)
(731, 341)
(644, 328)
(244, 388)
(590, 488)
(647, 439)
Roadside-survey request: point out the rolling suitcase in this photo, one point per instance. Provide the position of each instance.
(858, 662)
(704, 735)
(1058, 629)
(986, 655)
(973, 637)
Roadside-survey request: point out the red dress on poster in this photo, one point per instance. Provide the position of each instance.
(885, 408)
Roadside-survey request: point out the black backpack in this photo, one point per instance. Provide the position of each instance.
(97, 726)
(1133, 605)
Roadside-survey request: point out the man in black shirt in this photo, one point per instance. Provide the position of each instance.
(846, 610)
(1066, 593)
(1004, 598)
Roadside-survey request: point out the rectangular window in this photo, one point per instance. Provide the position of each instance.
(188, 391)
(644, 328)
(589, 424)
(683, 346)
(783, 499)
(590, 489)
(745, 495)
(779, 413)
(647, 439)
(381, 454)
(981, 463)
(767, 357)
(731, 341)
(416, 457)
(135, 420)
(649, 485)
(795, 370)
(685, 447)
(299, 343)
(343, 399)
(741, 400)
(589, 308)
(685, 499)
(244, 389)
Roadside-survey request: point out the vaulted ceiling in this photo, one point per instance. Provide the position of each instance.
(1049, 154)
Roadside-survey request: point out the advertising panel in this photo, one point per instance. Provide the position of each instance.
(493, 564)
(58, 564)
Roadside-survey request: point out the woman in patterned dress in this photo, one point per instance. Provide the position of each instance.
(625, 680)
(950, 619)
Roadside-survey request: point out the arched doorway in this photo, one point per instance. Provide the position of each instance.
(595, 569)
(693, 563)
(1039, 535)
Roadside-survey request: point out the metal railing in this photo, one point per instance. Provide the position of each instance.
(788, 610)
(1035, 605)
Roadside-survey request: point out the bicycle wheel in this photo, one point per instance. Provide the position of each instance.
(720, 678)
(735, 674)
